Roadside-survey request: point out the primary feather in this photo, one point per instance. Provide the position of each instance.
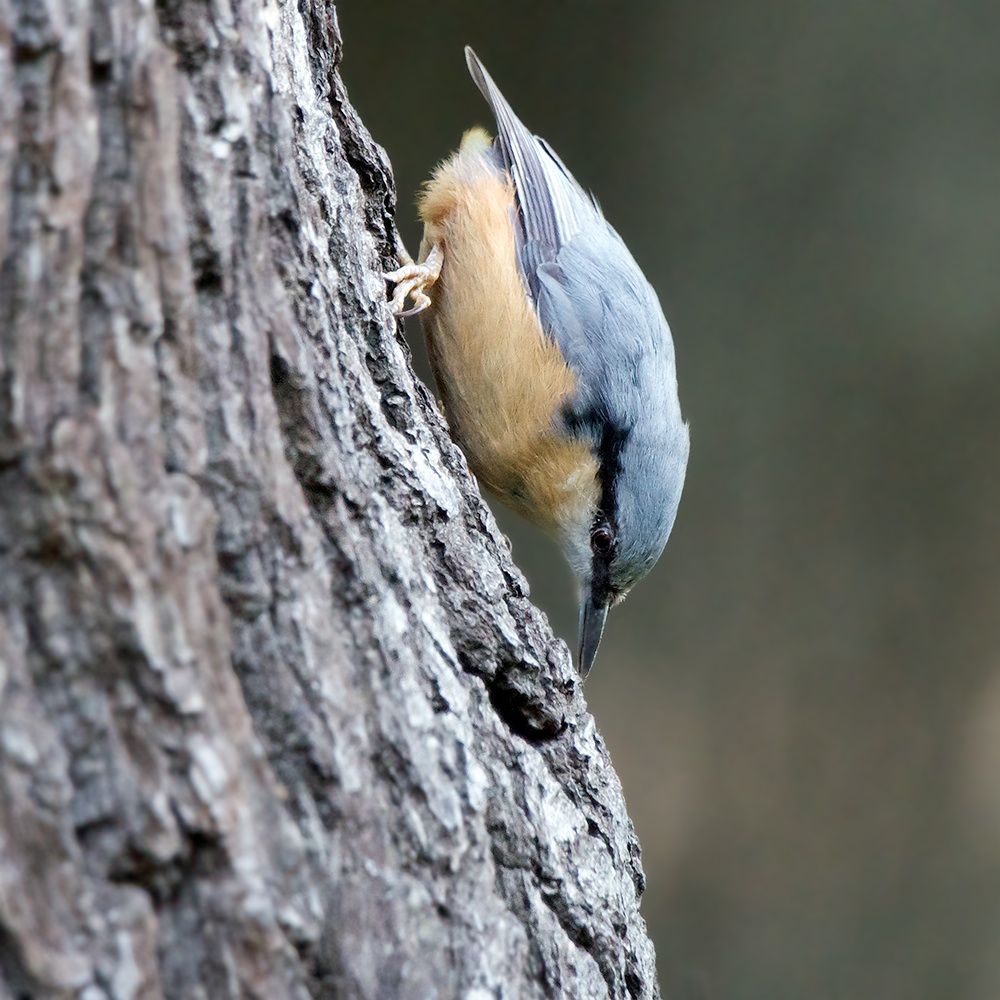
(553, 206)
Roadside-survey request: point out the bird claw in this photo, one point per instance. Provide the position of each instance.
(412, 281)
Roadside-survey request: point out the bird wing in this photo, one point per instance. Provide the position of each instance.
(590, 294)
(553, 206)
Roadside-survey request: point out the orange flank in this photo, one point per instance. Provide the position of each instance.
(502, 379)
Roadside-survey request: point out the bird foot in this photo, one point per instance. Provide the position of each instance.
(412, 281)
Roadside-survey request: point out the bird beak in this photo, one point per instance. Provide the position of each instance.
(593, 615)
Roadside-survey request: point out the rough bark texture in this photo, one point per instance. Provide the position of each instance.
(277, 718)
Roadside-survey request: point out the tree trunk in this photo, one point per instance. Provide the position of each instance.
(277, 718)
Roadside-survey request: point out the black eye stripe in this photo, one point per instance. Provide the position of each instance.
(608, 438)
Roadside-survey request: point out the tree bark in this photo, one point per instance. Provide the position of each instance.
(277, 718)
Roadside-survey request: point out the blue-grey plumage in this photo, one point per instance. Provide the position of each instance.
(593, 299)
(552, 355)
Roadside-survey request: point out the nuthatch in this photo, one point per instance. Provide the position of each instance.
(552, 356)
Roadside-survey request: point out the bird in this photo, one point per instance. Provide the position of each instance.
(553, 359)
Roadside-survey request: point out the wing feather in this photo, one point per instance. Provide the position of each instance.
(553, 206)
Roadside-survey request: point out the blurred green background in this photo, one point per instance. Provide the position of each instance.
(803, 699)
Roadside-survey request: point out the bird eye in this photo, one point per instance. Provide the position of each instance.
(600, 540)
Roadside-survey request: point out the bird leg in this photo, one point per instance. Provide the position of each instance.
(412, 281)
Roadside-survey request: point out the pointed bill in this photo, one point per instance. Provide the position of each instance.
(593, 615)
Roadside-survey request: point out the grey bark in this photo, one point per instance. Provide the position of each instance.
(277, 718)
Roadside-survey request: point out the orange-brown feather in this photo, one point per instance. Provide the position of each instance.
(502, 380)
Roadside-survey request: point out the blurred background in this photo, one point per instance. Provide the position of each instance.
(803, 699)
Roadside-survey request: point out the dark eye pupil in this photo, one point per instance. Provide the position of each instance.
(601, 539)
